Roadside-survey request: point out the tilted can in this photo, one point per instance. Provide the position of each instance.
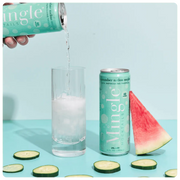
(33, 18)
(114, 111)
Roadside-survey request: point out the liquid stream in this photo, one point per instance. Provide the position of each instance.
(68, 62)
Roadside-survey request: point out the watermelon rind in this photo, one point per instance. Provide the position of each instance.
(154, 147)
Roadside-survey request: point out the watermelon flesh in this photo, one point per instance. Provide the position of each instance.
(148, 133)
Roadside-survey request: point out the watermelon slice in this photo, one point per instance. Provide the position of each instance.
(148, 133)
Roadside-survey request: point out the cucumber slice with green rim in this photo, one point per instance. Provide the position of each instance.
(79, 176)
(171, 173)
(143, 178)
(46, 171)
(13, 168)
(145, 164)
(25, 155)
(106, 166)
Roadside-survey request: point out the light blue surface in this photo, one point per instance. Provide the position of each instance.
(36, 135)
(141, 37)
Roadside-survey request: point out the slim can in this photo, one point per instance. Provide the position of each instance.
(114, 111)
(33, 18)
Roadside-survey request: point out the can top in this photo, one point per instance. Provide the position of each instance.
(63, 15)
(114, 70)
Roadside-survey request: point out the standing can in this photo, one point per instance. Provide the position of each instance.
(114, 111)
(33, 18)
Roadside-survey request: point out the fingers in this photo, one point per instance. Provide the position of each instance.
(10, 42)
(22, 40)
(8, 2)
(31, 36)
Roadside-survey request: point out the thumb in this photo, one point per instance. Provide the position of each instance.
(8, 2)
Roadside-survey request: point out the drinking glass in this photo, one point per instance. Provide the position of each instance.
(68, 111)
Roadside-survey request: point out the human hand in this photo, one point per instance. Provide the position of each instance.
(12, 42)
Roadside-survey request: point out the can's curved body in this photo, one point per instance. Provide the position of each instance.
(114, 111)
(33, 18)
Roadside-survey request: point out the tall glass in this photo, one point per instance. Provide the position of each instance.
(68, 111)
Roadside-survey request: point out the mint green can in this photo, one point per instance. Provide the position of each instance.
(33, 18)
(114, 111)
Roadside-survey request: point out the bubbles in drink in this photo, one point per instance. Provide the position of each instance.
(68, 119)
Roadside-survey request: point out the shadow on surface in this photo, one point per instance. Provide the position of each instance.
(8, 107)
(154, 153)
(37, 136)
(92, 141)
(132, 149)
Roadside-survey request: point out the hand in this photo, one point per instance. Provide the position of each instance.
(12, 42)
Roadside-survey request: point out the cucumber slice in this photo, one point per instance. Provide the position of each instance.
(25, 155)
(79, 176)
(145, 164)
(106, 166)
(13, 168)
(171, 173)
(46, 171)
(143, 178)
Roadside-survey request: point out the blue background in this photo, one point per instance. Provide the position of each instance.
(140, 37)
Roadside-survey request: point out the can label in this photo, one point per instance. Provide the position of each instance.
(30, 18)
(114, 113)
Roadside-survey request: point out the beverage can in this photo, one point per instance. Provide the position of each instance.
(114, 111)
(33, 18)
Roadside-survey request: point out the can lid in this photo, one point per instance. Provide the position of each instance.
(114, 70)
(62, 15)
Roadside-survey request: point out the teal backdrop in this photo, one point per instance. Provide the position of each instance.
(140, 37)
